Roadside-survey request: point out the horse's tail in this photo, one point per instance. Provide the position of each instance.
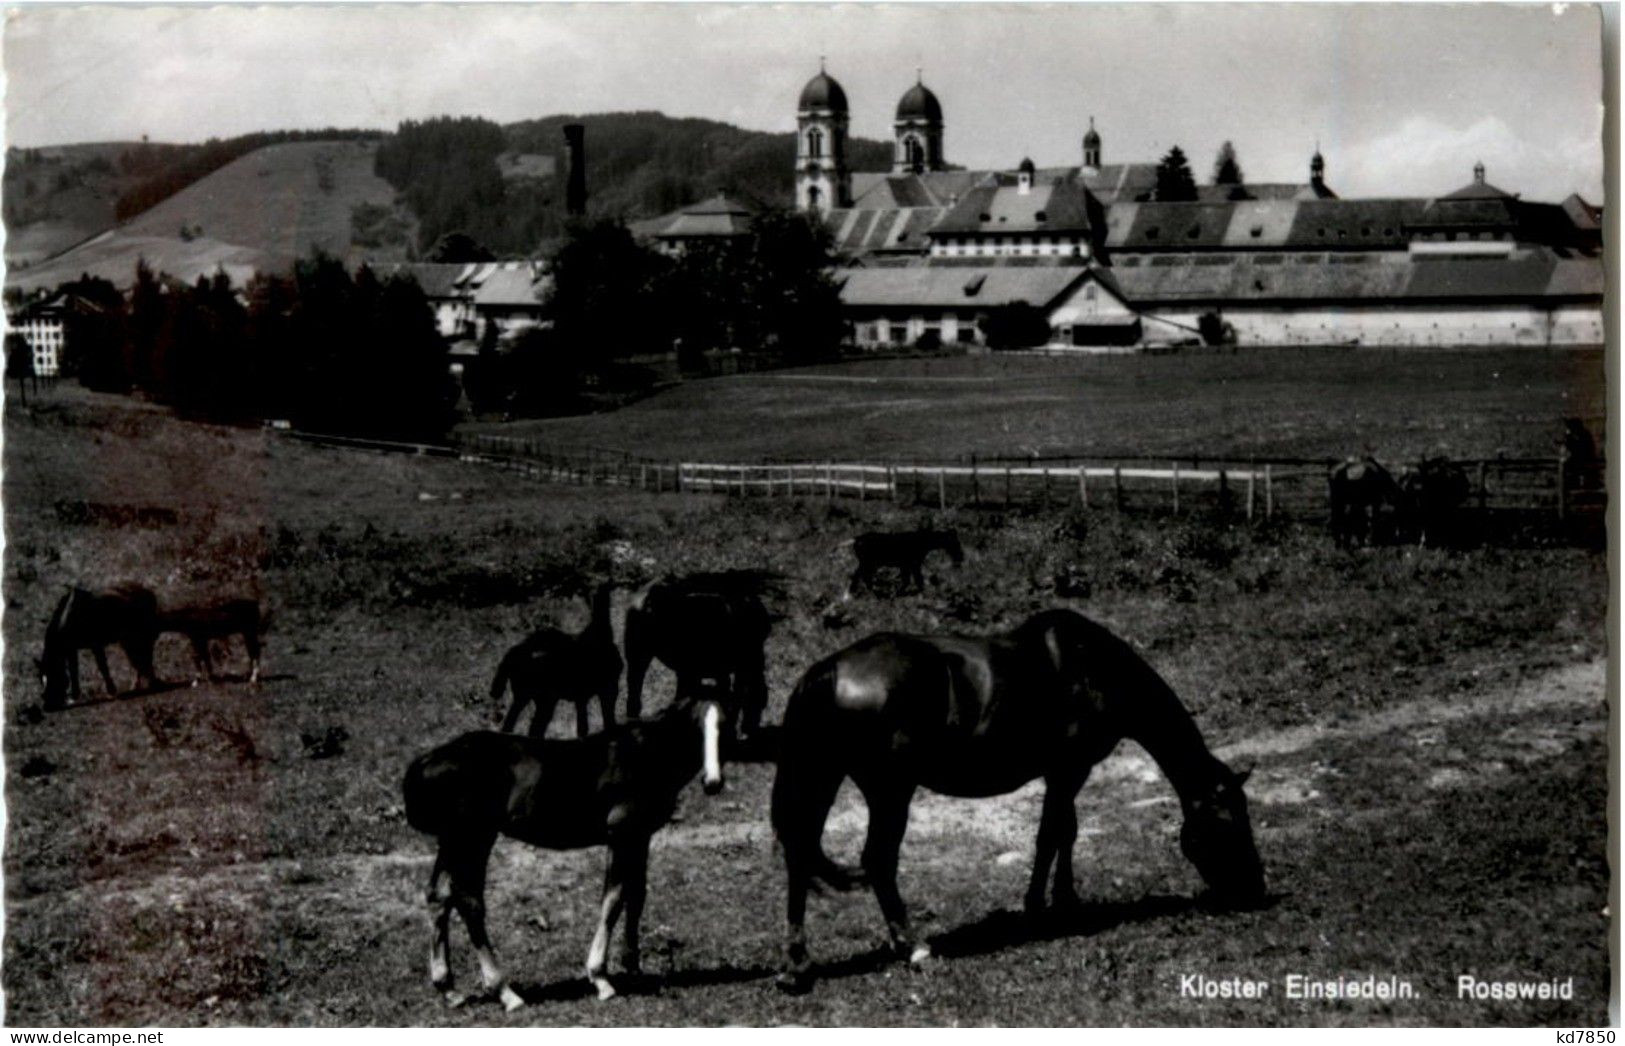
(808, 777)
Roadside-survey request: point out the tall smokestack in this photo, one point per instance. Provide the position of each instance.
(575, 190)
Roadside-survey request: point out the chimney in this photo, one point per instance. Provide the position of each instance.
(575, 190)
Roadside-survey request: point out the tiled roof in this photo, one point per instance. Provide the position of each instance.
(1172, 226)
(512, 285)
(1167, 279)
(1353, 224)
(1056, 206)
(937, 286)
(1121, 181)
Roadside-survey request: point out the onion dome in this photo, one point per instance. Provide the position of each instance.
(918, 103)
(822, 92)
(1027, 166)
(1092, 137)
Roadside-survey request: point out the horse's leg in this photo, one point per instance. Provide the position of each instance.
(635, 886)
(520, 700)
(583, 721)
(637, 661)
(251, 642)
(888, 801)
(73, 674)
(801, 801)
(751, 684)
(466, 867)
(543, 719)
(100, 654)
(440, 901)
(609, 911)
(606, 702)
(1061, 810)
(201, 661)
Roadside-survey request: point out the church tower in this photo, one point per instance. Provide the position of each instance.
(919, 132)
(1317, 170)
(823, 181)
(1091, 149)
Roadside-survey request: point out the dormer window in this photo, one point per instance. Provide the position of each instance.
(1151, 233)
(984, 216)
(1194, 232)
(1041, 217)
(1256, 231)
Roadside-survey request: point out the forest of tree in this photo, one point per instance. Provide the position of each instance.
(639, 165)
(317, 347)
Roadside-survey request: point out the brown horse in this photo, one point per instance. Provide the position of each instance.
(125, 614)
(903, 552)
(202, 625)
(710, 626)
(550, 665)
(1362, 494)
(982, 717)
(614, 789)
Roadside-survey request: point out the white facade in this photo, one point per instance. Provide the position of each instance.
(1398, 325)
(46, 336)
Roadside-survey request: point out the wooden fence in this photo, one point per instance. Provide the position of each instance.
(1290, 487)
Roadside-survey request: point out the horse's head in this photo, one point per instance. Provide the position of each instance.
(1217, 838)
(707, 701)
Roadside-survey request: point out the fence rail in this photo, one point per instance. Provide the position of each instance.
(1290, 487)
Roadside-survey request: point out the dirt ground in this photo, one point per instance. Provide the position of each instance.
(1429, 729)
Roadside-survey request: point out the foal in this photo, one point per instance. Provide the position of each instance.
(903, 552)
(614, 789)
(550, 664)
(204, 624)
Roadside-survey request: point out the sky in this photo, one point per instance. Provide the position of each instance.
(1402, 99)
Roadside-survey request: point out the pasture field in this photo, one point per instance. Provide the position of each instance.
(1429, 728)
(1313, 403)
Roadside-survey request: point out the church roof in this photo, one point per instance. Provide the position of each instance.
(873, 190)
(822, 92)
(918, 103)
(1120, 181)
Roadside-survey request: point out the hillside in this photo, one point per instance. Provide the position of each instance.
(262, 211)
(280, 202)
(55, 197)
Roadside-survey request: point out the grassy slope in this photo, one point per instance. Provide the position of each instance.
(52, 218)
(266, 209)
(1290, 403)
(155, 875)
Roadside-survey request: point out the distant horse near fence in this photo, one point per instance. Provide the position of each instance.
(903, 552)
(1364, 498)
(1431, 495)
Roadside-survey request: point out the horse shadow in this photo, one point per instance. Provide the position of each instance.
(164, 686)
(994, 932)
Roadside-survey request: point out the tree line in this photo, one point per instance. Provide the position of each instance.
(324, 348)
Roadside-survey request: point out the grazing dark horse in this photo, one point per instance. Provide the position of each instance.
(202, 625)
(703, 626)
(982, 717)
(1360, 489)
(1430, 495)
(85, 620)
(903, 552)
(549, 665)
(614, 789)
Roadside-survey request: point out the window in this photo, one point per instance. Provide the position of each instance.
(1151, 233)
(1256, 231)
(1089, 293)
(815, 143)
(1194, 232)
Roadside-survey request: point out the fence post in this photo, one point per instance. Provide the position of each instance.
(1483, 491)
(1046, 487)
(1083, 485)
(942, 488)
(1252, 476)
(975, 482)
(1269, 493)
(829, 483)
(1562, 483)
(1007, 486)
(1176, 488)
(1117, 484)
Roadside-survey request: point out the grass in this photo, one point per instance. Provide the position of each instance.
(184, 857)
(1261, 402)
